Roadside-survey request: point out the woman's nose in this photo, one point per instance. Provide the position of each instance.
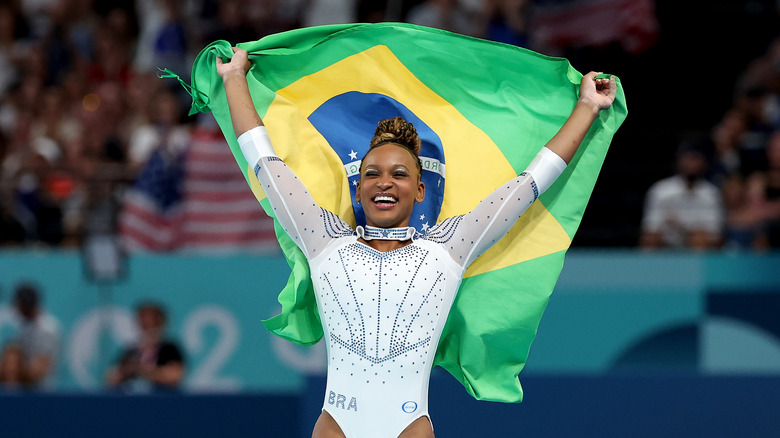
(384, 182)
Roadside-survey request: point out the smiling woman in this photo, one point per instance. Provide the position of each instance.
(391, 175)
(384, 291)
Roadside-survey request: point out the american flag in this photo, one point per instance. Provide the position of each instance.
(557, 24)
(197, 200)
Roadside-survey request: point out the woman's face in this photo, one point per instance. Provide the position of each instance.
(389, 186)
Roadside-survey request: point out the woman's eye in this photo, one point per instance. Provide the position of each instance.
(400, 173)
(371, 173)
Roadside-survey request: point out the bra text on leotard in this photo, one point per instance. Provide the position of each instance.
(338, 400)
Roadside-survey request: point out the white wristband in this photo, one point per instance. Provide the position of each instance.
(256, 144)
(545, 168)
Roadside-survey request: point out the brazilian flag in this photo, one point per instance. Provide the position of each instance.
(482, 109)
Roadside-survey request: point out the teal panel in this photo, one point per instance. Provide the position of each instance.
(744, 271)
(589, 331)
(608, 301)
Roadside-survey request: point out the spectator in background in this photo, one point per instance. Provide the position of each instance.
(172, 40)
(38, 14)
(11, 46)
(111, 62)
(752, 100)
(371, 11)
(28, 361)
(319, 12)
(506, 21)
(684, 210)
(769, 191)
(763, 73)
(164, 132)
(11, 230)
(27, 169)
(727, 136)
(443, 14)
(231, 24)
(744, 220)
(154, 363)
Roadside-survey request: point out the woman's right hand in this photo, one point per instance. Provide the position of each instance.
(238, 65)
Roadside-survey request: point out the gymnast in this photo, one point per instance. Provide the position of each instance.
(384, 290)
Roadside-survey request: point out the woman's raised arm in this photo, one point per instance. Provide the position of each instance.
(469, 235)
(242, 110)
(310, 226)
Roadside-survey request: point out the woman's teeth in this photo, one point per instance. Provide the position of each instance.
(383, 198)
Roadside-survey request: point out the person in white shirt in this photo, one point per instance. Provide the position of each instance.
(31, 356)
(684, 210)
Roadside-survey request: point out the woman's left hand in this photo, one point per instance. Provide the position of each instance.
(599, 92)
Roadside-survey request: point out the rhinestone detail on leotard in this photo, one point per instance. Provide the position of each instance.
(377, 305)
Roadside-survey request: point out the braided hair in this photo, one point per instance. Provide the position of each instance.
(398, 131)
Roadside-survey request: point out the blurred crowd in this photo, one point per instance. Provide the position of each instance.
(82, 110)
(726, 190)
(82, 107)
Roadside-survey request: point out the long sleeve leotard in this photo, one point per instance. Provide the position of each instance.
(383, 312)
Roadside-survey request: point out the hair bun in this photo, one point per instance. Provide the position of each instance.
(399, 131)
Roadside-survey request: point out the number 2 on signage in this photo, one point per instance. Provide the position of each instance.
(205, 376)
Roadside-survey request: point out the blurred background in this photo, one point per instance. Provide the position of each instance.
(136, 266)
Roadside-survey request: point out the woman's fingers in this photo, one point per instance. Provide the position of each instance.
(613, 87)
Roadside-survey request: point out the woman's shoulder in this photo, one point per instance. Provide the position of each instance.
(443, 231)
(334, 226)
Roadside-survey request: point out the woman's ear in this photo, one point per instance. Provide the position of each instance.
(357, 193)
(420, 192)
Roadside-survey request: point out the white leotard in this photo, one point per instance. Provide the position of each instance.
(383, 312)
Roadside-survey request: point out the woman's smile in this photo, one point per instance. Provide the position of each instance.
(385, 201)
